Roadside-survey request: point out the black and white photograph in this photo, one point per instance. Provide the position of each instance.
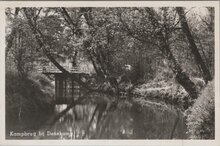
(110, 73)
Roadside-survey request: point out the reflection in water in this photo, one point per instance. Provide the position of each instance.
(127, 121)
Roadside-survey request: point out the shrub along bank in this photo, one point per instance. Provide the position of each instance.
(27, 98)
(201, 116)
(199, 113)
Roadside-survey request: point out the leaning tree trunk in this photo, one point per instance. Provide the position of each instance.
(45, 47)
(39, 38)
(185, 27)
(181, 77)
(98, 57)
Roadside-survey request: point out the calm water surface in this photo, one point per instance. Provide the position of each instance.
(126, 121)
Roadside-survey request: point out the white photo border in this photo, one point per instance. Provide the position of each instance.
(4, 4)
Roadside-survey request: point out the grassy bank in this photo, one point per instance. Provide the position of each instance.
(199, 113)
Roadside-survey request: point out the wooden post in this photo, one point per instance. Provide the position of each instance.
(55, 86)
(65, 87)
(72, 89)
(60, 87)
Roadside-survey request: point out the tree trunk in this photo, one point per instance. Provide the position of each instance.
(98, 57)
(11, 36)
(39, 37)
(205, 71)
(211, 24)
(181, 77)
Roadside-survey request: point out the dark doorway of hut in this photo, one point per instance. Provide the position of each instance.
(66, 89)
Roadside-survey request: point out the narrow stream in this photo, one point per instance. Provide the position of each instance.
(127, 121)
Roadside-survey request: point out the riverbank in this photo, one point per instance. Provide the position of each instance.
(199, 113)
(29, 101)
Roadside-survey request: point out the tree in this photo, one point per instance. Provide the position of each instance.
(21, 50)
(205, 71)
(161, 35)
(149, 40)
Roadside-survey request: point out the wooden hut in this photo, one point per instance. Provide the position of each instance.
(66, 89)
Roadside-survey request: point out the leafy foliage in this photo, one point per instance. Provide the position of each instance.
(201, 116)
(163, 91)
(150, 40)
(27, 97)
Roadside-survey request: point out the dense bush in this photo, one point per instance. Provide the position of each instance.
(27, 97)
(166, 91)
(201, 116)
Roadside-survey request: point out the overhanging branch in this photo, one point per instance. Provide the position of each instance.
(40, 40)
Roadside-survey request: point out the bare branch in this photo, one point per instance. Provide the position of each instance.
(38, 13)
(69, 20)
(180, 19)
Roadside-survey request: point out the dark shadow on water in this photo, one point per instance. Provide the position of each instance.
(127, 121)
